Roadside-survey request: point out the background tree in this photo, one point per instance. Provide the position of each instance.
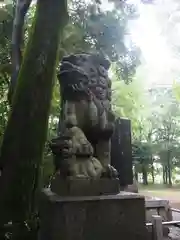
(106, 32)
(160, 133)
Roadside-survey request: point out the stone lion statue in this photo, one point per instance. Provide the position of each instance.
(82, 149)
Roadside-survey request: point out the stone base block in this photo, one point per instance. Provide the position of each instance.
(84, 187)
(120, 216)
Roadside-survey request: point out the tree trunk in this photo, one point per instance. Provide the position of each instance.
(169, 177)
(25, 135)
(169, 168)
(17, 41)
(136, 176)
(135, 172)
(152, 173)
(164, 175)
(144, 172)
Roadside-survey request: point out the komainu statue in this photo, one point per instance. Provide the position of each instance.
(82, 148)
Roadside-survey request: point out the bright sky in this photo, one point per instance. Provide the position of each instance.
(146, 32)
(159, 65)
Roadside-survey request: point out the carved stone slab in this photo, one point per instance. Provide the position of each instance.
(84, 187)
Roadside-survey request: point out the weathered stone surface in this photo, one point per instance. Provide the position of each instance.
(119, 216)
(121, 151)
(157, 206)
(82, 148)
(132, 188)
(84, 187)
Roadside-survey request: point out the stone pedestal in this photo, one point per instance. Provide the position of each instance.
(84, 187)
(120, 216)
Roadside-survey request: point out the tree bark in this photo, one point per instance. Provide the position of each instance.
(152, 173)
(136, 174)
(25, 135)
(21, 9)
(164, 175)
(169, 168)
(144, 172)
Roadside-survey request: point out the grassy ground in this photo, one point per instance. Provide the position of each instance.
(161, 191)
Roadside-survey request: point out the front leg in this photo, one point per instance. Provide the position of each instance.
(103, 151)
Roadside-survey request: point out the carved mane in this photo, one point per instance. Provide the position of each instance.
(83, 75)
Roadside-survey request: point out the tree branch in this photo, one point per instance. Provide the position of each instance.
(22, 7)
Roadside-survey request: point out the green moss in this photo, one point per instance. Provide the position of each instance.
(25, 135)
